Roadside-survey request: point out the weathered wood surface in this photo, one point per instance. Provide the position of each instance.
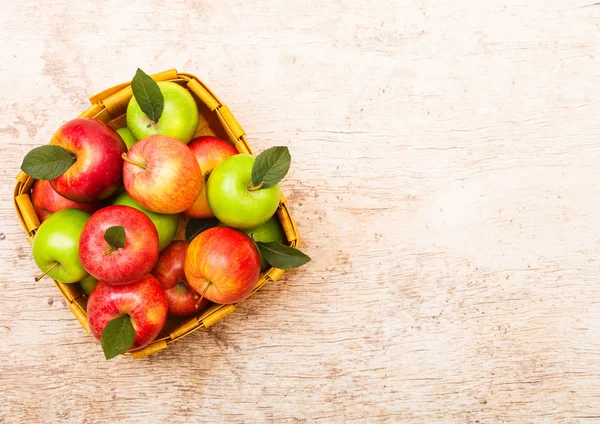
(445, 179)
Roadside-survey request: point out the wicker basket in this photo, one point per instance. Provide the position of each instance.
(215, 119)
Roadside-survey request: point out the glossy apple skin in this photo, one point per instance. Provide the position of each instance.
(268, 232)
(169, 268)
(96, 174)
(228, 259)
(231, 201)
(169, 273)
(209, 152)
(127, 137)
(172, 180)
(166, 225)
(46, 201)
(143, 300)
(57, 240)
(179, 118)
(182, 302)
(126, 264)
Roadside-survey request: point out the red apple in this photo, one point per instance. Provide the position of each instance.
(113, 263)
(46, 201)
(162, 174)
(223, 264)
(209, 152)
(97, 150)
(169, 273)
(182, 302)
(143, 301)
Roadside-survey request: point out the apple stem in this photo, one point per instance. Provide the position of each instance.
(189, 288)
(43, 274)
(202, 296)
(109, 251)
(258, 187)
(133, 162)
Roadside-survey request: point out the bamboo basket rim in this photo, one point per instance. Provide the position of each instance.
(109, 106)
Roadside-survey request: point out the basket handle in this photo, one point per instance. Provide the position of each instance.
(103, 95)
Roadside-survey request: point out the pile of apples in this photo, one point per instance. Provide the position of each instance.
(110, 202)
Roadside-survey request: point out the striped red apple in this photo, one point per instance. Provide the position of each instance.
(222, 264)
(162, 174)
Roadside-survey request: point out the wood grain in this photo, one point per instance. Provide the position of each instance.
(445, 181)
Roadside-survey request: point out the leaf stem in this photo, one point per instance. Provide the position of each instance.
(109, 251)
(258, 187)
(43, 274)
(133, 162)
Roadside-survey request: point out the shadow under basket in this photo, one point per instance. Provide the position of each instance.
(215, 119)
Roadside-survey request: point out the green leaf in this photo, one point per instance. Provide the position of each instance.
(115, 236)
(47, 162)
(271, 166)
(148, 95)
(117, 336)
(196, 226)
(281, 256)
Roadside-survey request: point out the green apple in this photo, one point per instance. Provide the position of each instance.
(88, 284)
(179, 118)
(56, 246)
(127, 137)
(269, 231)
(230, 196)
(166, 225)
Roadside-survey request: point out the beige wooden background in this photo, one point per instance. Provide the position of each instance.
(445, 178)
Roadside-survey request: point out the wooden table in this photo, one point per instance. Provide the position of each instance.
(445, 179)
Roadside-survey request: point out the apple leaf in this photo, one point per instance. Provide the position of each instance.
(196, 226)
(115, 236)
(148, 95)
(271, 166)
(47, 162)
(281, 256)
(117, 336)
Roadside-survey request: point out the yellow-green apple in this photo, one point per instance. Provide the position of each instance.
(97, 164)
(127, 137)
(162, 174)
(88, 284)
(234, 200)
(56, 245)
(46, 201)
(119, 244)
(142, 301)
(222, 264)
(210, 152)
(166, 225)
(179, 118)
(182, 299)
(268, 232)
